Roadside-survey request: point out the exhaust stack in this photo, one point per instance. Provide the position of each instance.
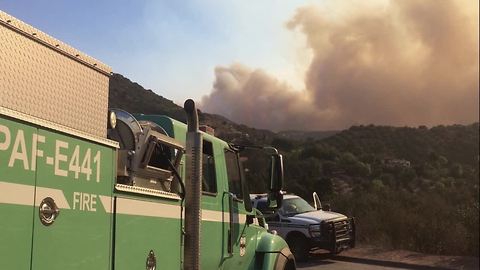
(193, 188)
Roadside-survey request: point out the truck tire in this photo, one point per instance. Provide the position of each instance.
(285, 260)
(290, 265)
(336, 251)
(299, 246)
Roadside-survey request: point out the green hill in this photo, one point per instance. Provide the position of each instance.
(410, 188)
(132, 97)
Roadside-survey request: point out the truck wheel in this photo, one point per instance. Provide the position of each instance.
(299, 246)
(335, 252)
(290, 265)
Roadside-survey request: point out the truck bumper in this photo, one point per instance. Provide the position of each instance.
(336, 236)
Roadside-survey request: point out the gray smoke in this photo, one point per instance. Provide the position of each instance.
(409, 63)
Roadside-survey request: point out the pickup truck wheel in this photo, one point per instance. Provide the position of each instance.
(299, 246)
(335, 252)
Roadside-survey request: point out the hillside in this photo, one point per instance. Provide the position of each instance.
(458, 143)
(300, 135)
(409, 188)
(132, 97)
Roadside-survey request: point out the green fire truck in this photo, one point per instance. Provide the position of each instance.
(84, 187)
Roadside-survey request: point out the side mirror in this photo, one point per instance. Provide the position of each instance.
(274, 199)
(276, 173)
(245, 191)
(275, 195)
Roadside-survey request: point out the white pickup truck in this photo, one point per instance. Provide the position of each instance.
(306, 227)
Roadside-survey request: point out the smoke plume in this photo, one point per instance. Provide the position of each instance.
(404, 62)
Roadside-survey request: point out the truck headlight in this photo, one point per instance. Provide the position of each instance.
(314, 230)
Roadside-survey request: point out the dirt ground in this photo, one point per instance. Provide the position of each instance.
(372, 254)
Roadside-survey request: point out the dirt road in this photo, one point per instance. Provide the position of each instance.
(366, 258)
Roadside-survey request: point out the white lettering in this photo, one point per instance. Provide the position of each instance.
(60, 157)
(93, 203)
(74, 161)
(35, 151)
(74, 164)
(85, 201)
(96, 160)
(40, 139)
(86, 169)
(76, 199)
(6, 143)
(16, 154)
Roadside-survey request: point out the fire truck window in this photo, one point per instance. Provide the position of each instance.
(209, 181)
(161, 157)
(233, 172)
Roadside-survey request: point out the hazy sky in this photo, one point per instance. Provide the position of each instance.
(323, 64)
(172, 47)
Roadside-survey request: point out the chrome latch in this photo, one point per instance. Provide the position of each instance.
(48, 211)
(151, 263)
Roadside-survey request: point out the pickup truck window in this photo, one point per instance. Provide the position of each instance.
(268, 213)
(233, 173)
(295, 206)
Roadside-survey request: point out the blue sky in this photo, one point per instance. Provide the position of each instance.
(172, 47)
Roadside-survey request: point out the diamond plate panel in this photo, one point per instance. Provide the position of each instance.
(33, 33)
(48, 83)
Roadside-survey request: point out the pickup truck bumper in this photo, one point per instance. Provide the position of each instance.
(337, 235)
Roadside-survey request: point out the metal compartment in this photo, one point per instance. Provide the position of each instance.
(44, 78)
